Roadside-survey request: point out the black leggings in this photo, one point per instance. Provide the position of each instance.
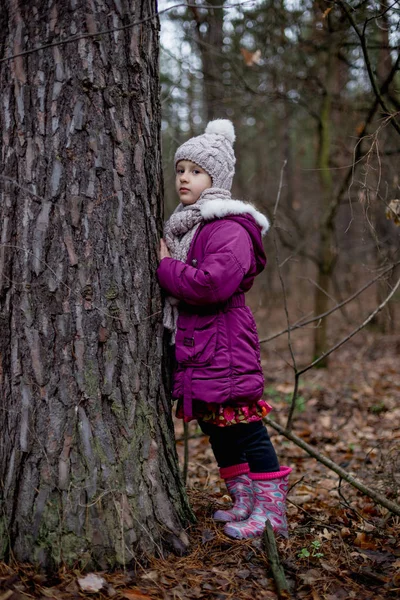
(246, 442)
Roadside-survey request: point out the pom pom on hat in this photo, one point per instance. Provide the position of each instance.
(222, 127)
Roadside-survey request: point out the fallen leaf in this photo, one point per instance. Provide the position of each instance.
(134, 595)
(208, 586)
(327, 535)
(311, 576)
(362, 540)
(396, 580)
(302, 494)
(345, 532)
(51, 592)
(393, 211)
(243, 573)
(251, 58)
(326, 421)
(284, 388)
(91, 583)
(207, 535)
(368, 527)
(327, 567)
(226, 499)
(339, 594)
(72, 587)
(152, 575)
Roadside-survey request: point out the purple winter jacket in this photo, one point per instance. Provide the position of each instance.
(217, 348)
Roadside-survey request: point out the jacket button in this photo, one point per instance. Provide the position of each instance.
(194, 262)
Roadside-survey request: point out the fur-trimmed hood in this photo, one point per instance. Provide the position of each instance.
(244, 213)
(218, 209)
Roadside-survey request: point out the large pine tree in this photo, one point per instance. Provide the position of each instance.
(88, 468)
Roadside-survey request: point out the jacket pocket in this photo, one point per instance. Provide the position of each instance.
(253, 328)
(196, 339)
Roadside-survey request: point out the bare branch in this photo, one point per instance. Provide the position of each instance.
(353, 333)
(378, 498)
(289, 422)
(294, 365)
(361, 36)
(334, 309)
(81, 36)
(278, 196)
(282, 586)
(186, 451)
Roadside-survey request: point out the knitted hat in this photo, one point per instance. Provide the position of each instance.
(213, 152)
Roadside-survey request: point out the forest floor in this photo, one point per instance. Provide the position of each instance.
(342, 545)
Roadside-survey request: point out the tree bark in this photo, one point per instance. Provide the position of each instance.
(210, 44)
(88, 466)
(325, 249)
(388, 239)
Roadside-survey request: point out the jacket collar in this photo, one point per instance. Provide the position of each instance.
(218, 209)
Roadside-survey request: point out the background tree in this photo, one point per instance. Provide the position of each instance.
(88, 467)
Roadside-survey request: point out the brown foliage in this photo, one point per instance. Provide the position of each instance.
(352, 414)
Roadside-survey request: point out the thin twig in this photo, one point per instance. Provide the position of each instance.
(278, 196)
(376, 496)
(81, 36)
(348, 180)
(353, 333)
(185, 451)
(285, 304)
(21, 187)
(335, 308)
(289, 422)
(361, 37)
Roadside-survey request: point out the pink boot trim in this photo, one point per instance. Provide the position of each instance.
(268, 476)
(228, 472)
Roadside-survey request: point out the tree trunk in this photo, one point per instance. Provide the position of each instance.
(325, 250)
(88, 467)
(387, 247)
(210, 42)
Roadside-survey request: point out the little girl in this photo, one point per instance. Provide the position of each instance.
(211, 254)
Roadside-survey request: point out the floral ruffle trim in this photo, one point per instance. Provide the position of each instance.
(223, 415)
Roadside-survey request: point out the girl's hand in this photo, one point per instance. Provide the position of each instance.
(164, 252)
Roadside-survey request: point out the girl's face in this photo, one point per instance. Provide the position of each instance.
(190, 181)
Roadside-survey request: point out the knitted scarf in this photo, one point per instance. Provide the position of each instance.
(179, 231)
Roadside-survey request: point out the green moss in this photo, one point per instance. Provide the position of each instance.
(98, 451)
(52, 546)
(47, 544)
(117, 409)
(4, 537)
(113, 309)
(91, 379)
(112, 293)
(73, 547)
